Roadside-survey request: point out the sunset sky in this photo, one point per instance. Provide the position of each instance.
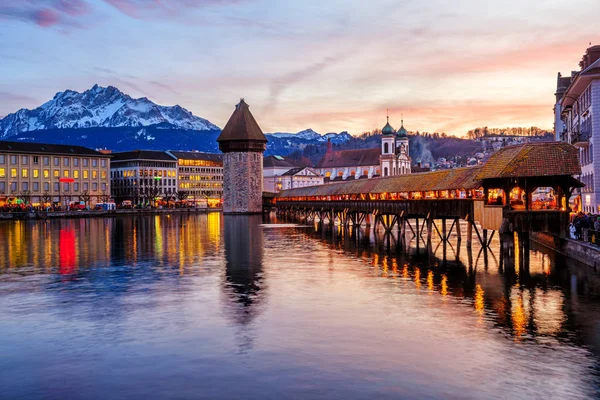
(330, 65)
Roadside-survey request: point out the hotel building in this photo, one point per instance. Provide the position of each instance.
(41, 174)
(578, 123)
(200, 175)
(142, 176)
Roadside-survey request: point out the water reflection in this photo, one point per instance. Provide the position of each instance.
(230, 306)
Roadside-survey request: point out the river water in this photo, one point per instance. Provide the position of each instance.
(207, 306)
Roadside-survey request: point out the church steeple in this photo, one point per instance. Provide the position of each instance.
(387, 129)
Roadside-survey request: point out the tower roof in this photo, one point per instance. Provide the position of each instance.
(241, 131)
(387, 129)
(242, 126)
(402, 133)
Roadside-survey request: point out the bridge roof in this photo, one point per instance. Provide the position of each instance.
(449, 179)
(532, 160)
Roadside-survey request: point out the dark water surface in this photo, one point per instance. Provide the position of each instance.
(206, 306)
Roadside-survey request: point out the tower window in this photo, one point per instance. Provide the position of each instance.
(386, 148)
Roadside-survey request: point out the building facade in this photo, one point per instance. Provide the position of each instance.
(143, 176)
(580, 122)
(200, 176)
(243, 143)
(45, 174)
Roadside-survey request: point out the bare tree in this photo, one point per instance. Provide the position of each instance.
(85, 197)
(152, 193)
(104, 197)
(25, 195)
(46, 198)
(181, 195)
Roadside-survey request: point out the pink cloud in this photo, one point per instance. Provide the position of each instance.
(46, 17)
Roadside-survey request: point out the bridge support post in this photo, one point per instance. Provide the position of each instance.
(444, 235)
(485, 237)
(458, 232)
(429, 228)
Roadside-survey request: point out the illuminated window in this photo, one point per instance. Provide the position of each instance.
(103, 174)
(2, 173)
(66, 173)
(13, 172)
(56, 173)
(94, 174)
(76, 174)
(36, 173)
(85, 174)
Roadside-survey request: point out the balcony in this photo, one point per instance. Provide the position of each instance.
(581, 139)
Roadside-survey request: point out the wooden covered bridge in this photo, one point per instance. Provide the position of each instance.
(497, 196)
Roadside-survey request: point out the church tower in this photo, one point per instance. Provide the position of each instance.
(388, 149)
(243, 143)
(402, 154)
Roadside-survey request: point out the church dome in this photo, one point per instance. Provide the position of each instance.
(387, 129)
(402, 133)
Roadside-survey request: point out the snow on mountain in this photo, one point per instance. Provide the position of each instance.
(310, 135)
(106, 107)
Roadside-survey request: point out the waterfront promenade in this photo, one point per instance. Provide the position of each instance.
(20, 215)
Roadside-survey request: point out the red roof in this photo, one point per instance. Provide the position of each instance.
(242, 126)
(532, 159)
(350, 158)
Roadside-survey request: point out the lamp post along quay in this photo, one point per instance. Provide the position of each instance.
(243, 144)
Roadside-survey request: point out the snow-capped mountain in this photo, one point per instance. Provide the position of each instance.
(105, 107)
(310, 135)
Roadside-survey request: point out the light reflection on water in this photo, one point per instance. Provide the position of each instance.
(206, 306)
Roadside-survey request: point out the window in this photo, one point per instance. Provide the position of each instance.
(46, 186)
(85, 174)
(66, 161)
(76, 174)
(13, 172)
(13, 160)
(85, 162)
(94, 186)
(104, 186)
(103, 173)
(56, 173)
(66, 173)
(86, 186)
(66, 187)
(94, 174)
(2, 173)
(56, 161)
(36, 186)
(2, 160)
(13, 186)
(36, 160)
(103, 163)
(46, 173)
(36, 173)
(24, 172)
(94, 163)
(76, 162)
(2, 187)
(46, 161)
(76, 186)
(25, 186)
(56, 187)
(25, 160)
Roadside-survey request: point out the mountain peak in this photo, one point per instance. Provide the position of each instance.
(99, 107)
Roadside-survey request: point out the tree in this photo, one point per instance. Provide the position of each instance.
(181, 195)
(25, 195)
(46, 198)
(152, 193)
(104, 197)
(85, 197)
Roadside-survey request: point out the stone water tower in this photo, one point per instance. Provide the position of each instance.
(243, 143)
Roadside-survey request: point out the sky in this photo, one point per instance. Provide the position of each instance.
(329, 65)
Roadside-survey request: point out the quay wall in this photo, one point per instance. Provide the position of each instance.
(577, 250)
(100, 213)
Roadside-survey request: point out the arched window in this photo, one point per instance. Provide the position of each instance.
(386, 148)
(385, 171)
(353, 173)
(365, 172)
(403, 170)
(340, 173)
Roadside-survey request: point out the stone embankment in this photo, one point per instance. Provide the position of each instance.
(101, 213)
(583, 252)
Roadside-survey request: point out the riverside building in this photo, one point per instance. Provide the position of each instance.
(143, 176)
(45, 174)
(200, 176)
(578, 123)
(280, 173)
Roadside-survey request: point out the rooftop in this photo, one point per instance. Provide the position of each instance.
(43, 148)
(197, 155)
(350, 158)
(242, 126)
(151, 155)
